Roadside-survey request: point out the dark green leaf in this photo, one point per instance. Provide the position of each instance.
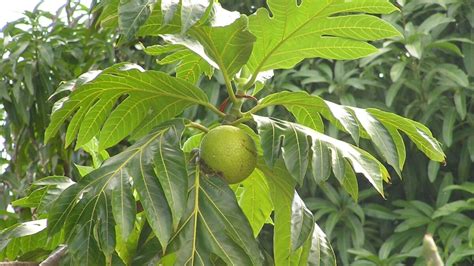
(470, 146)
(459, 254)
(271, 130)
(453, 207)
(321, 161)
(433, 169)
(392, 92)
(460, 103)
(123, 204)
(106, 228)
(75, 209)
(293, 221)
(213, 223)
(454, 73)
(302, 223)
(22, 229)
(397, 70)
(109, 16)
(336, 114)
(418, 133)
(321, 252)
(448, 126)
(170, 168)
(131, 15)
(307, 117)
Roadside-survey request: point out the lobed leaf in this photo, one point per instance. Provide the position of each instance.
(85, 210)
(213, 224)
(313, 28)
(151, 97)
(277, 135)
(383, 128)
(297, 240)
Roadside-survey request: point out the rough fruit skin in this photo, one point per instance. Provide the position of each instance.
(229, 152)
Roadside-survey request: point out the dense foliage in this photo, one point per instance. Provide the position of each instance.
(151, 202)
(426, 76)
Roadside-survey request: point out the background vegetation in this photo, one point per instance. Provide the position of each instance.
(426, 75)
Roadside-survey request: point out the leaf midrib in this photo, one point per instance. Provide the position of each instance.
(259, 66)
(111, 173)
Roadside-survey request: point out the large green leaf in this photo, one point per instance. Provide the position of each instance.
(224, 42)
(282, 190)
(295, 142)
(295, 241)
(20, 230)
(147, 93)
(225, 47)
(381, 127)
(307, 117)
(157, 167)
(339, 115)
(213, 224)
(41, 198)
(316, 28)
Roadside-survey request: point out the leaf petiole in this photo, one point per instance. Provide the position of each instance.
(215, 110)
(230, 90)
(197, 126)
(243, 119)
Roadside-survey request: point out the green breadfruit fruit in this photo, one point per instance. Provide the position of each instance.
(229, 152)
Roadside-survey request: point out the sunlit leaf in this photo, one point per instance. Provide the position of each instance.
(255, 200)
(310, 29)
